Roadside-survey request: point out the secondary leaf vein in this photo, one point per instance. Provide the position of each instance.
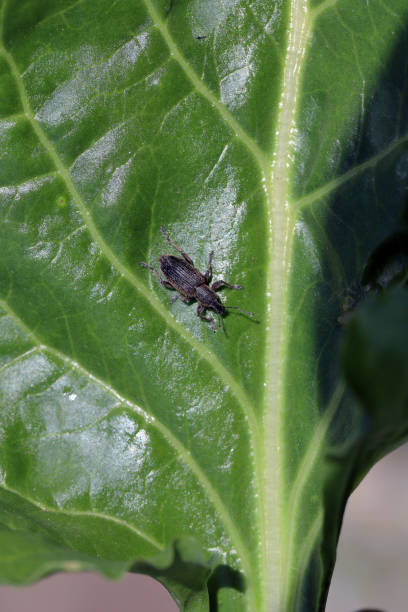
(90, 514)
(205, 352)
(184, 453)
(332, 185)
(228, 118)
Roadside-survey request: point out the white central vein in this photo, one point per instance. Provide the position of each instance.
(267, 459)
(280, 234)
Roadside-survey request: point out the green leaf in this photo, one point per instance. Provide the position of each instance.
(28, 556)
(375, 357)
(273, 133)
(375, 363)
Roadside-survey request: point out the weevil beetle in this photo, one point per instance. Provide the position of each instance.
(181, 275)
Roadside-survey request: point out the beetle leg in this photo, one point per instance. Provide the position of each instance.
(157, 275)
(222, 283)
(200, 309)
(173, 244)
(207, 275)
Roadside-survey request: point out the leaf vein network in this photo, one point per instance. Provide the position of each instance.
(205, 352)
(88, 513)
(333, 184)
(178, 446)
(225, 114)
(305, 471)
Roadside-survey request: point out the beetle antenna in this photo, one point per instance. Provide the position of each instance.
(250, 314)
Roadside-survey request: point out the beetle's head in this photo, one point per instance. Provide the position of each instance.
(209, 299)
(220, 311)
(219, 307)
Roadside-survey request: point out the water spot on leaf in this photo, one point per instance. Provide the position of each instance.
(61, 201)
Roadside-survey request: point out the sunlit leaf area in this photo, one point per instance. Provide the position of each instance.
(216, 456)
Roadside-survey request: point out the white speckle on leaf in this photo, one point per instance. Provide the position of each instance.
(114, 188)
(235, 72)
(304, 234)
(41, 250)
(88, 166)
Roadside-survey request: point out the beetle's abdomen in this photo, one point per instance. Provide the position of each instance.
(180, 274)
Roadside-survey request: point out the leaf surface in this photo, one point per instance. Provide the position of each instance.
(375, 359)
(273, 133)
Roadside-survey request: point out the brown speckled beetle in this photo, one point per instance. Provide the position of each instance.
(181, 275)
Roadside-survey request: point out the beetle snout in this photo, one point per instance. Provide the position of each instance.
(219, 308)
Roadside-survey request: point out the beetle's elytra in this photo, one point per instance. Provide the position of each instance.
(181, 275)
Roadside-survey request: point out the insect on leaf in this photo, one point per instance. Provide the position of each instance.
(275, 134)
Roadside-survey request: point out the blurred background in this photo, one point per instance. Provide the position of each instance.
(371, 569)
(372, 556)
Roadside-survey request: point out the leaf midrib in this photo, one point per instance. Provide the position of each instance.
(280, 232)
(280, 236)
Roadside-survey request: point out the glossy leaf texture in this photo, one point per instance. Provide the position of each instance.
(273, 133)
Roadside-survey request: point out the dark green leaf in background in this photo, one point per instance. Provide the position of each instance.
(275, 133)
(375, 357)
(375, 363)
